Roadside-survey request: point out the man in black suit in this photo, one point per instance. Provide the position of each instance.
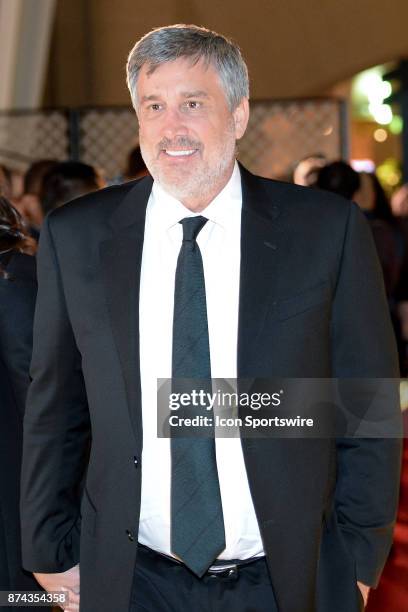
(206, 270)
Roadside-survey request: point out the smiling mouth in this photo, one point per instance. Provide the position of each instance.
(180, 153)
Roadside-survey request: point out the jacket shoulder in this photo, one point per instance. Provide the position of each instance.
(296, 199)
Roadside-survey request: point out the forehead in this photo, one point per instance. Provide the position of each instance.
(177, 75)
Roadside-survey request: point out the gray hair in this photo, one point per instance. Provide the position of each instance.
(169, 43)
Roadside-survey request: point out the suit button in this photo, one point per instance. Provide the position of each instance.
(136, 462)
(130, 535)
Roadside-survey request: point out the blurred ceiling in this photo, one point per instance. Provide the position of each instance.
(293, 48)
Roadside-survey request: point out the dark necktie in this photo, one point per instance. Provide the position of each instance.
(197, 524)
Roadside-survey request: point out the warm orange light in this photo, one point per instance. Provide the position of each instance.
(380, 135)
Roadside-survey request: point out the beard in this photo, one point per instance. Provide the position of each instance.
(204, 176)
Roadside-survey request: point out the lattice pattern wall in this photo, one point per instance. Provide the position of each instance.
(279, 133)
(25, 137)
(106, 138)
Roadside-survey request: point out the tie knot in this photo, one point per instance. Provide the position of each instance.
(192, 227)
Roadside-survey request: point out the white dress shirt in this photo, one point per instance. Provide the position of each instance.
(219, 242)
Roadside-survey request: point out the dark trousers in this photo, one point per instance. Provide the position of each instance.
(161, 585)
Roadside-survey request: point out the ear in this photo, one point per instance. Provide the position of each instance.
(241, 116)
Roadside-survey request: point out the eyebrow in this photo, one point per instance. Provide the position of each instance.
(149, 98)
(198, 93)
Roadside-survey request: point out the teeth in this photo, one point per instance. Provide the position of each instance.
(179, 153)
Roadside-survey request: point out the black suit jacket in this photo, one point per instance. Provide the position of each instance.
(311, 305)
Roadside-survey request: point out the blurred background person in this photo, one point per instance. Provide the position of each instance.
(5, 181)
(29, 205)
(135, 166)
(306, 170)
(17, 299)
(399, 202)
(338, 177)
(68, 180)
(389, 223)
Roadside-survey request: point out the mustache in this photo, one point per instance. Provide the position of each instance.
(179, 143)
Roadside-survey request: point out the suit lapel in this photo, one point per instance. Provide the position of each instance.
(261, 242)
(121, 258)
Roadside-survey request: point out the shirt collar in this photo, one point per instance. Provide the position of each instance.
(168, 211)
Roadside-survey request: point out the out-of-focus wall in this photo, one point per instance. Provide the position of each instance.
(293, 48)
(25, 32)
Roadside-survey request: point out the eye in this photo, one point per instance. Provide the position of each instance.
(154, 107)
(193, 104)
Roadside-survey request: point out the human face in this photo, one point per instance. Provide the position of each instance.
(187, 131)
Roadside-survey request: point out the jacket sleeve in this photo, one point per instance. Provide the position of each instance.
(363, 347)
(56, 428)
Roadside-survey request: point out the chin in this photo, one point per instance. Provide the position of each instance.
(180, 192)
(177, 184)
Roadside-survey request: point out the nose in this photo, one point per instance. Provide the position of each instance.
(174, 124)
